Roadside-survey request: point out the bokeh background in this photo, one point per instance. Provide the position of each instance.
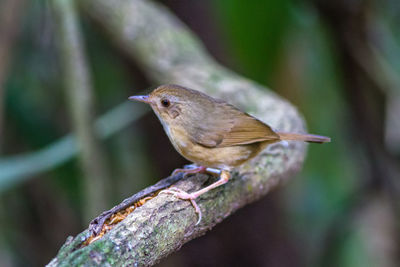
(337, 61)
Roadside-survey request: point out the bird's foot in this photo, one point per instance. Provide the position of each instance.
(179, 193)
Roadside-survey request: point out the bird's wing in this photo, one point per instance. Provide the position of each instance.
(228, 126)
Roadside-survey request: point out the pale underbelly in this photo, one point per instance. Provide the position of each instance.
(220, 157)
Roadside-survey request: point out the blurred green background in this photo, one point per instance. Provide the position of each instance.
(337, 61)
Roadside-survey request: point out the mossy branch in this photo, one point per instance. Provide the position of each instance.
(169, 53)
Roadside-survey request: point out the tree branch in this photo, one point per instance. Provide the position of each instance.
(80, 98)
(169, 53)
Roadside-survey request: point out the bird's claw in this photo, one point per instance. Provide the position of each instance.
(179, 193)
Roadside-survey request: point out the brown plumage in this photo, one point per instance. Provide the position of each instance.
(212, 133)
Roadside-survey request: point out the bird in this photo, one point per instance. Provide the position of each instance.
(211, 133)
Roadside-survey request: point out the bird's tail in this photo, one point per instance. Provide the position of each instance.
(312, 138)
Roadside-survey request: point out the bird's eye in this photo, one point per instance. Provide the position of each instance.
(165, 102)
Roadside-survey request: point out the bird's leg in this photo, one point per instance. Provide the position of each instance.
(223, 178)
(179, 193)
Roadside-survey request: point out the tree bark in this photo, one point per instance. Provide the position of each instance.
(169, 53)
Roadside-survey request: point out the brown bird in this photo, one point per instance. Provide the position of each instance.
(214, 135)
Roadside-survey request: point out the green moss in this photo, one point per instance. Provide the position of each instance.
(249, 188)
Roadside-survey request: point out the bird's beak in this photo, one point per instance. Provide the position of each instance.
(141, 98)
